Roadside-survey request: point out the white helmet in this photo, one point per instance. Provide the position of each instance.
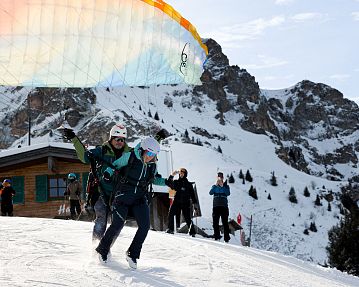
(151, 145)
(118, 130)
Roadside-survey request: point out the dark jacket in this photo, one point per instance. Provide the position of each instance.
(184, 190)
(104, 156)
(138, 175)
(7, 194)
(220, 194)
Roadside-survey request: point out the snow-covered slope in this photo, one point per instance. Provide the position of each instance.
(46, 252)
(278, 225)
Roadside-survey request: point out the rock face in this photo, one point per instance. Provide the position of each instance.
(294, 118)
(312, 124)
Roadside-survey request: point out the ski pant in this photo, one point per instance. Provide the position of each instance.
(101, 210)
(141, 213)
(223, 212)
(7, 209)
(75, 205)
(176, 209)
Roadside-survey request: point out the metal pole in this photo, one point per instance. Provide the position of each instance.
(29, 119)
(250, 233)
(29, 138)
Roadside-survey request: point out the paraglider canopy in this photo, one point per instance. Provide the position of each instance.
(56, 43)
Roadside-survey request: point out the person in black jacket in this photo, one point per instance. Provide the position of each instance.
(182, 201)
(7, 193)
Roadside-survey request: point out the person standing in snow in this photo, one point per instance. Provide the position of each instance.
(135, 171)
(220, 191)
(101, 158)
(182, 201)
(73, 191)
(7, 193)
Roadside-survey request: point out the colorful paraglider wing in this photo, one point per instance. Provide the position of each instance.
(58, 43)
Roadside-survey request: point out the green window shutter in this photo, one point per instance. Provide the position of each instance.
(18, 186)
(41, 188)
(85, 176)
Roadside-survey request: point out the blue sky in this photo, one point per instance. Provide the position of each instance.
(282, 42)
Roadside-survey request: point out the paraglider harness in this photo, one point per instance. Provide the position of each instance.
(92, 188)
(93, 181)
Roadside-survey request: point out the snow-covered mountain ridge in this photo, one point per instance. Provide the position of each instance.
(285, 132)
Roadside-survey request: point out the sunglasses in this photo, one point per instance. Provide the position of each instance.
(119, 140)
(150, 153)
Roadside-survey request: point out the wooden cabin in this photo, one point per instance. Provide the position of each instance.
(39, 177)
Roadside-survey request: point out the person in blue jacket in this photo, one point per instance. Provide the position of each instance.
(220, 191)
(134, 172)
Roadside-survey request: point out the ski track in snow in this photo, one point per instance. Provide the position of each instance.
(48, 252)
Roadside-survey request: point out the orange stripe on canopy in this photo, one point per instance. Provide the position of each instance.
(171, 12)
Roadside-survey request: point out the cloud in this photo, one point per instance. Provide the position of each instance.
(309, 16)
(340, 77)
(246, 31)
(265, 62)
(355, 15)
(283, 2)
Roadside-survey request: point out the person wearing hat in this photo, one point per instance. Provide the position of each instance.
(7, 193)
(182, 201)
(136, 170)
(73, 191)
(220, 191)
(101, 158)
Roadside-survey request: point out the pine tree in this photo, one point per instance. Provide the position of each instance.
(253, 192)
(186, 134)
(231, 179)
(329, 207)
(306, 192)
(140, 108)
(273, 180)
(317, 201)
(241, 174)
(157, 118)
(149, 113)
(292, 196)
(343, 247)
(198, 142)
(248, 176)
(243, 181)
(219, 149)
(269, 197)
(306, 232)
(313, 227)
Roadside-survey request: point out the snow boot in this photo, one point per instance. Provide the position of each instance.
(132, 262)
(102, 254)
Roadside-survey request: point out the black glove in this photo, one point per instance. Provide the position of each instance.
(69, 134)
(162, 134)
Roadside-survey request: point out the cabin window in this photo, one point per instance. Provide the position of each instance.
(56, 185)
